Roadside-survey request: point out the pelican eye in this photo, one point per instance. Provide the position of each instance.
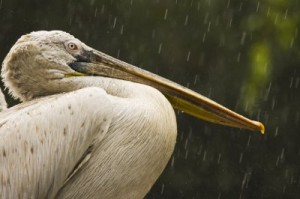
(72, 46)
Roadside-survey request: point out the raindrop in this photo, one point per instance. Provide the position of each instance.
(192, 3)
(122, 30)
(198, 6)
(230, 22)
(246, 180)
(172, 161)
(196, 79)
(95, 13)
(153, 34)
(186, 20)
(208, 2)
(266, 117)
(240, 8)
(286, 173)
(257, 7)
(181, 137)
(243, 38)
(118, 53)
(208, 27)
(238, 57)
(241, 157)
(228, 3)
(203, 38)
(166, 14)
(292, 42)
(277, 161)
(102, 9)
(70, 21)
(258, 115)
(248, 142)
(268, 91)
(162, 189)
(186, 143)
(286, 13)
(115, 22)
(273, 103)
(246, 106)
(282, 155)
(292, 180)
(268, 12)
(188, 56)
(284, 188)
(204, 155)
(159, 48)
(200, 150)
(186, 154)
(219, 158)
(209, 92)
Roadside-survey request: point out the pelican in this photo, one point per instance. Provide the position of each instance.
(89, 125)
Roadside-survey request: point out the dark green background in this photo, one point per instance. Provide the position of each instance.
(244, 54)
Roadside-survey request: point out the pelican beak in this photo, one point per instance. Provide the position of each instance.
(96, 63)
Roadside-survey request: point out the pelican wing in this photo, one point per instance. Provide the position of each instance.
(43, 142)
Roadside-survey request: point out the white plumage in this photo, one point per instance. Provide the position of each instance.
(78, 136)
(42, 141)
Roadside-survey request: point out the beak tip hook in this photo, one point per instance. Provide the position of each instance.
(261, 127)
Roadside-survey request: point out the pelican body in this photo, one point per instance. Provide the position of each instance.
(90, 126)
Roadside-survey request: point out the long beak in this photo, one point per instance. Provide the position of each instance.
(97, 63)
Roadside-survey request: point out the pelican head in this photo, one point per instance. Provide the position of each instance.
(38, 62)
(43, 63)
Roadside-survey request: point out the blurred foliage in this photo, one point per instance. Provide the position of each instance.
(258, 74)
(241, 53)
